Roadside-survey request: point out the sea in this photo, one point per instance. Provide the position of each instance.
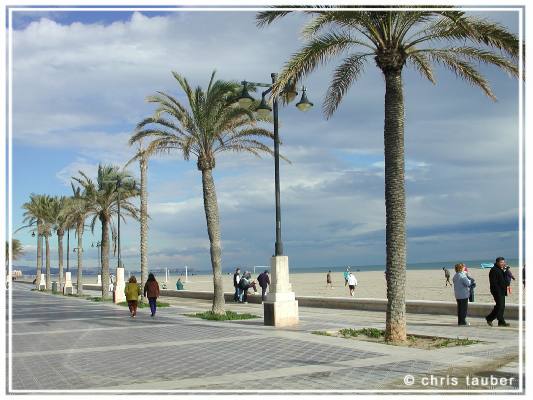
(173, 270)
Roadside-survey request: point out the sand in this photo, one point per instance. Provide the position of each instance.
(421, 285)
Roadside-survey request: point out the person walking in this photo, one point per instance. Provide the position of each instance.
(498, 289)
(132, 292)
(328, 280)
(461, 288)
(447, 276)
(236, 279)
(346, 274)
(151, 290)
(352, 283)
(264, 281)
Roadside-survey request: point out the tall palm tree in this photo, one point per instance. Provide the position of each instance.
(59, 221)
(35, 215)
(76, 212)
(394, 40)
(142, 156)
(208, 126)
(102, 200)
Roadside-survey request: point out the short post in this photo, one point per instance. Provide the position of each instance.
(68, 289)
(118, 289)
(280, 306)
(42, 283)
(186, 276)
(99, 280)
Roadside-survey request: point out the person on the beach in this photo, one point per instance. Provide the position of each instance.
(151, 290)
(328, 280)
(447, 276)
(246, 283)
(236, 279)
(352, 283)
(179, 284)
(346, 273)
(509, 277)
(461, 288)
(132, 293)
(498, 289)
(524, 275)
(264, 280)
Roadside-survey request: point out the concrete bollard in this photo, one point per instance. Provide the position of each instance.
(42, 283)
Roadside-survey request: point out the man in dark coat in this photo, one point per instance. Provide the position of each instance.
(264, 281)
(236, 279)
(498, 289)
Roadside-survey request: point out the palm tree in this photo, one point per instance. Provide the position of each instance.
(16, 250)
(59, 221)
(76, 211)
(102, 202)
(394, 40)
(208, 126)
(35, 216)
(142, 156)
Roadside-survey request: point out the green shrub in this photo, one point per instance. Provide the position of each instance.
(229, 316)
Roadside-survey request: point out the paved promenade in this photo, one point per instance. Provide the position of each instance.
(63, 343)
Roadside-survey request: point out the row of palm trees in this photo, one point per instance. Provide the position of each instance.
(210, 122)
(94, 200)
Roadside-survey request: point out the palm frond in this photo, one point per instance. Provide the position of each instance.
(343, 77)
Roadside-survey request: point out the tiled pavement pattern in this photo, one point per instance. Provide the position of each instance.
(73, 344)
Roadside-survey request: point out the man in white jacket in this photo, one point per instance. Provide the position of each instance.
(352, 283)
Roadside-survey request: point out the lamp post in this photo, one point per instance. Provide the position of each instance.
(280, 306)
(98, 248)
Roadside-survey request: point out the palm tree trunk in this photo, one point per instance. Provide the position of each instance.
(39, 258)
(213, 230)
(79, 252)
(60, 234)
(48, 275)
(104, 256)
(395, 330)
(144, 221)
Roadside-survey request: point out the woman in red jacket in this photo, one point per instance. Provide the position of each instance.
(151, 290)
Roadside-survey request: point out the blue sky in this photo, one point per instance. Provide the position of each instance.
(80, 80)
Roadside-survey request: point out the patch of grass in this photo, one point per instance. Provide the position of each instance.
(417, 341)
(321, 333)
(100, 299)
(229, 316)
(145, 305)
(369, 332)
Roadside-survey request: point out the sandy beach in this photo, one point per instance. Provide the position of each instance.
(421, 285)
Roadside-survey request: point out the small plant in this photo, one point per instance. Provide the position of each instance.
(369, 332)
(229, 316)
(321, 333)
(144, 305)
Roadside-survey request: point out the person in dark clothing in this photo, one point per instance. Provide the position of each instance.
(447, 276)
(151, 290)
(246, 283)
(264, 280)
(236, 279)
(498, 289)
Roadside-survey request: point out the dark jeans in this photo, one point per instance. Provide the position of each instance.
(462, 308)
(237, 295)
(263, 292)
(153, 306)
(498, 310)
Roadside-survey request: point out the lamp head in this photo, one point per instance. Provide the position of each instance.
(304, 104)
(263, 110)
(245, 100)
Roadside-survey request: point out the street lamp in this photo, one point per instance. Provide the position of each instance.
(280, 306)
(263, 110)
(98, 247)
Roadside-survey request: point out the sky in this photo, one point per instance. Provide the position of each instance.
(80, 80)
